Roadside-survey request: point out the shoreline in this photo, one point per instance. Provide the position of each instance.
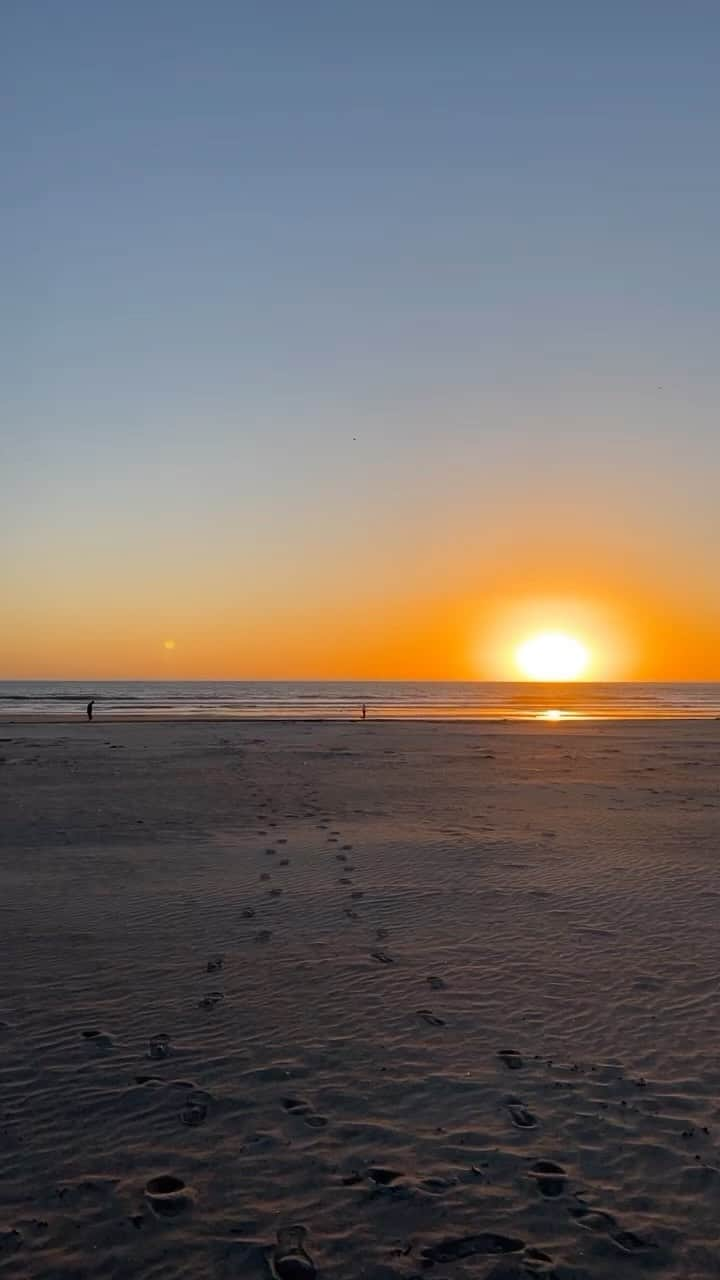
(565, 719)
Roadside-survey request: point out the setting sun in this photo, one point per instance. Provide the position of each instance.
(552, 655)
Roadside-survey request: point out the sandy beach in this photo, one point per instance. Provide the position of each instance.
(378, 1000)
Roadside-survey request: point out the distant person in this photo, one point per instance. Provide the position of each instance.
(364, 711)
(89, 708)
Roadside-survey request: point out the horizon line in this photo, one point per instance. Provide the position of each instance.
(358, 680)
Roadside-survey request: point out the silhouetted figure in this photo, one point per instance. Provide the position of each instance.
(364, 711)
(89, 708)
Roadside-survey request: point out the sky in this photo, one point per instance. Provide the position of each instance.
(358, 339)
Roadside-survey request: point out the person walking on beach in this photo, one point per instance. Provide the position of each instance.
(364, 711)
(89, 708)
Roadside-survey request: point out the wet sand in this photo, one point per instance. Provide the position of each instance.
(373, 1000)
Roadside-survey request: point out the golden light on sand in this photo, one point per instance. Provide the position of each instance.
(552, 655)
(168, 644)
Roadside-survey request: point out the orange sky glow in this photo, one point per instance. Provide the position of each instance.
(436, 635)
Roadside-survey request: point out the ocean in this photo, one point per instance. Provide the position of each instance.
(325, 700)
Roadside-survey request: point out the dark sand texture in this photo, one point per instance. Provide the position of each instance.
(360, 1001)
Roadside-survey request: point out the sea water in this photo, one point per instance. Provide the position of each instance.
(325, 700)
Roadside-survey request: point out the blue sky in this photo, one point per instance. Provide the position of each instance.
(268, 264)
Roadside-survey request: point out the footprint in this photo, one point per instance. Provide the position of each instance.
(431, 1018)
(551, 1178)
(535, 1255)
(344, 880)
(351, 915)
(437, 984)
(297, 1106)
(248, 913)
(381, 934)
(158, 1047)
(631, 1242)
(210, 1000)
(381, 1176)
(315, 1121)
(594, 1219)
(346, 846)
(341, 857)
(290, 1260)
(511, 1058)
(284, 862)
(382, 957)
(214, 964)
(264, 875)
(357, 893)
(270, 853)
(99, 1039)
(167, 1195)
(264, 935)
(196, 1107)
(600, 1220)
(487, 1242)
(521, 1117)
(438, 1186)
